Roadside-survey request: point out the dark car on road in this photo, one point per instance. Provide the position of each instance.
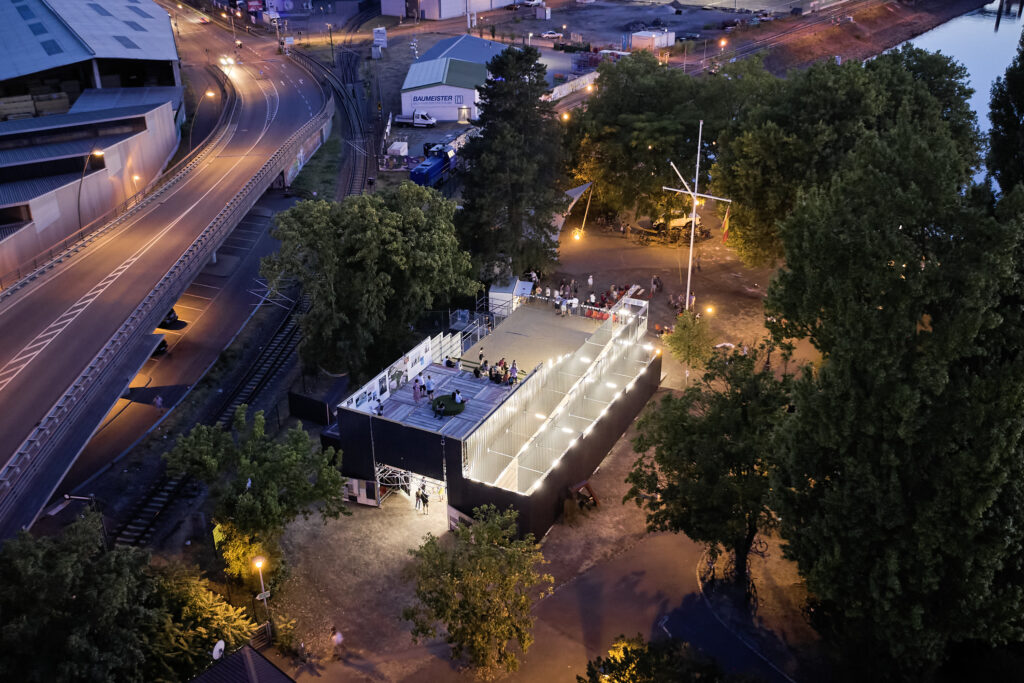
(169, 319)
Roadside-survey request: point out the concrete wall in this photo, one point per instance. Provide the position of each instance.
(442, 9)
(55, 214)
(447, 109)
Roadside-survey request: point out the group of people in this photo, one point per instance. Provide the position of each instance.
(499, 373)
(450, 362)
(419, 390)
(680, 303)
(422, 498)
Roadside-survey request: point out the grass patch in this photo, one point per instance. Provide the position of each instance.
(320, 174)
(385, 180)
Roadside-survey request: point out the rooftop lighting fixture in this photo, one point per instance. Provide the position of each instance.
(610, 385)
(566, 430)
(540, 416)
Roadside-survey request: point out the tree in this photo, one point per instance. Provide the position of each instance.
(806, 129)
(370, 266)
(479, 590)
(1006, 114)
(632, 660)
(513, 173)
(259, 485)
(708, 474)
(194, 619)
(643, 115)
(691, 341)
(73, 610)
(900, 476)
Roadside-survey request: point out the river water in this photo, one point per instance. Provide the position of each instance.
(973, 41)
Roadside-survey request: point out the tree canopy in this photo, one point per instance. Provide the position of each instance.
(479, 590)
(691, 340)
(708, 474)
(370, 265)
(73, 610)
(632, 660)
(259, 484)
(1006, 114)
(644, 115)
(805, 129)
(512, 184)
(899, 474)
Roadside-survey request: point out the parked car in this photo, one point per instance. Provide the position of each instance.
(533, 3)
(160, 349)
(169, 319)
(553, 35)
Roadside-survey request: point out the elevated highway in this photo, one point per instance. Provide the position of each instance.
(72, 338)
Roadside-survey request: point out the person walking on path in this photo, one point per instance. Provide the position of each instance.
(337, 643)
(419, 500)
(590, 281)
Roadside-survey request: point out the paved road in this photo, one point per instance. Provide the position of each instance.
(52, 330)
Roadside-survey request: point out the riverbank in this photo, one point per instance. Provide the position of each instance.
(872, 31)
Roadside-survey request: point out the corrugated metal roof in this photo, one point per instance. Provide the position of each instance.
(245, 666)
(58, 150)
(94, 99)
(454, 72)
(76, 119)
(23, 191)
(45, 34)
(466, 48)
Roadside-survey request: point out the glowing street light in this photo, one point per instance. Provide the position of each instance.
(209, 95)
(259, 561)
(565, 116)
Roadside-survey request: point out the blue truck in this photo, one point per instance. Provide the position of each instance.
(436, 168)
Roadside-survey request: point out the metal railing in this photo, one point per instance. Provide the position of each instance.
(14, 280)
(47, 434)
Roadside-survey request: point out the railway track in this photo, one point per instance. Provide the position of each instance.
(273, 360)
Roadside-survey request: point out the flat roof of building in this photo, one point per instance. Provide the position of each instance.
(46, 34)
(18, 156)
(41, 123)
(548, 334)
(22, 191)
(97, 99)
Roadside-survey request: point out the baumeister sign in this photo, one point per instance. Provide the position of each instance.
(438, 99)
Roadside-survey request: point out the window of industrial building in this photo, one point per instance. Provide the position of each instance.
(127, 42)
(52, 47)
(140, 13)
(37, 29)
(100, 10)
(135, 26)
(25, 12)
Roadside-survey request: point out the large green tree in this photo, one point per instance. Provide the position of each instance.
(1006, 114)
(643, 115)
(258, 484)
(706, 456)
(900, 476)
(370, 265)
(512, 179)
(71, 610)
(479, 590)
(804, 131)
(690, 342)
(194, 619)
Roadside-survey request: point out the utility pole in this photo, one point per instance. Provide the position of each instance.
(330, 33)
(694, 194)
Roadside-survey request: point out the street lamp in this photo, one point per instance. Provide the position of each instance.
(264, 594)
(330, 34)
(565, 116)
(135, 182)
(208, 95)
(528, 39)
(95, 153)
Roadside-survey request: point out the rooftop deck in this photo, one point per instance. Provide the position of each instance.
(530, 336)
